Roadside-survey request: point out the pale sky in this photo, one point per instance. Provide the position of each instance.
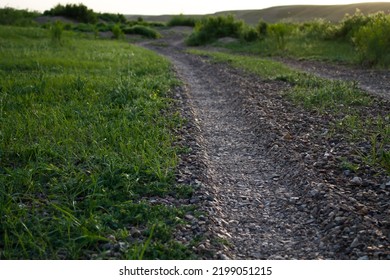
(160, 7)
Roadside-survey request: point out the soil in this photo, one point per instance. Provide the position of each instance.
(267, 173)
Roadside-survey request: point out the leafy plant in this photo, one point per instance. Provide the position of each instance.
(78, 12)
(56, 31)
(117, 31)
(209, 29)
(373, 40)
(279, 32)
(262, 29)
(143, 31)
(182, 20)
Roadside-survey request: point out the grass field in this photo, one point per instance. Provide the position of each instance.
(298, 47)
(85, 140)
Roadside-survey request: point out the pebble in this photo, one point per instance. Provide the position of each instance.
(357, 181)
(354, 243)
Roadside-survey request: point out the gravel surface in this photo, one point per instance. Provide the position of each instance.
(267, 173)
(373, 81)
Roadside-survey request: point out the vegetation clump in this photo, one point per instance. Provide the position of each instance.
(142, 30)
(11, 16)
(182, 20)
(209, 29)
(79, 12)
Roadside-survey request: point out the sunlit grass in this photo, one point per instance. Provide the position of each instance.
(85, 139)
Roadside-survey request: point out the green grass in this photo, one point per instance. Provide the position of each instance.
(85, 140)
(298, 47)
(266, 68)
(344, 100)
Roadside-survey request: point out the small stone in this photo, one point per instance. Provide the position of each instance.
(347, 173)
(136, 233)
(364, 258)
(223, 257)
(357, 181)
(354, 243)
(314, 193)
(202, 218)
(189, 217)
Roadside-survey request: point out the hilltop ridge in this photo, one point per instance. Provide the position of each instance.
(294, 13)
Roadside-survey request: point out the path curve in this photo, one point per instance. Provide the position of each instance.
(269, 178)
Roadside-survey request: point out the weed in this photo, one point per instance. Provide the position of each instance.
(279, 32)
(56, 32)
(117, 31)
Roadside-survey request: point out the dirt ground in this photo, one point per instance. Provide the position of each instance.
(267, 173)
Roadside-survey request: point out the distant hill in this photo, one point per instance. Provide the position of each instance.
(297, 13)
(302, 13)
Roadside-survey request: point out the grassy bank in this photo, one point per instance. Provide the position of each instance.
(343, 100)
(85, 140)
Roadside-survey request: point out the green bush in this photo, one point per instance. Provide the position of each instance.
(373, 40)
(56, 31)
(262, 28)
(79, 12)
(112, 18)
(84, 27)
(349, 26)
(117, 31)
(10, 16)
(249, 34)
(209, 29)
(182, 20)
(104, 27)
(279, 32)
(143, 31)
(318, 29)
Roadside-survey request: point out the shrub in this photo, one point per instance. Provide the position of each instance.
(112, 18)
(262, 28)
(182, 20)
(103, 27)
(373, 40)
(10, 16)
(279, 31)
(77, 12)
(249, 34)
(143, 31)
(318, 29)
(117, 31)
(56, 31)
(84, 27)
(210, 29)
(349, 26)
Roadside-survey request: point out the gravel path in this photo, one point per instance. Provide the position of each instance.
(372, 80)
(267, 174)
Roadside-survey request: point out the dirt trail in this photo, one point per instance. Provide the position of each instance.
(266, 171)
(376, 82)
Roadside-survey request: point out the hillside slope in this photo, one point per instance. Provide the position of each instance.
(301, 13)
(295, 13)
